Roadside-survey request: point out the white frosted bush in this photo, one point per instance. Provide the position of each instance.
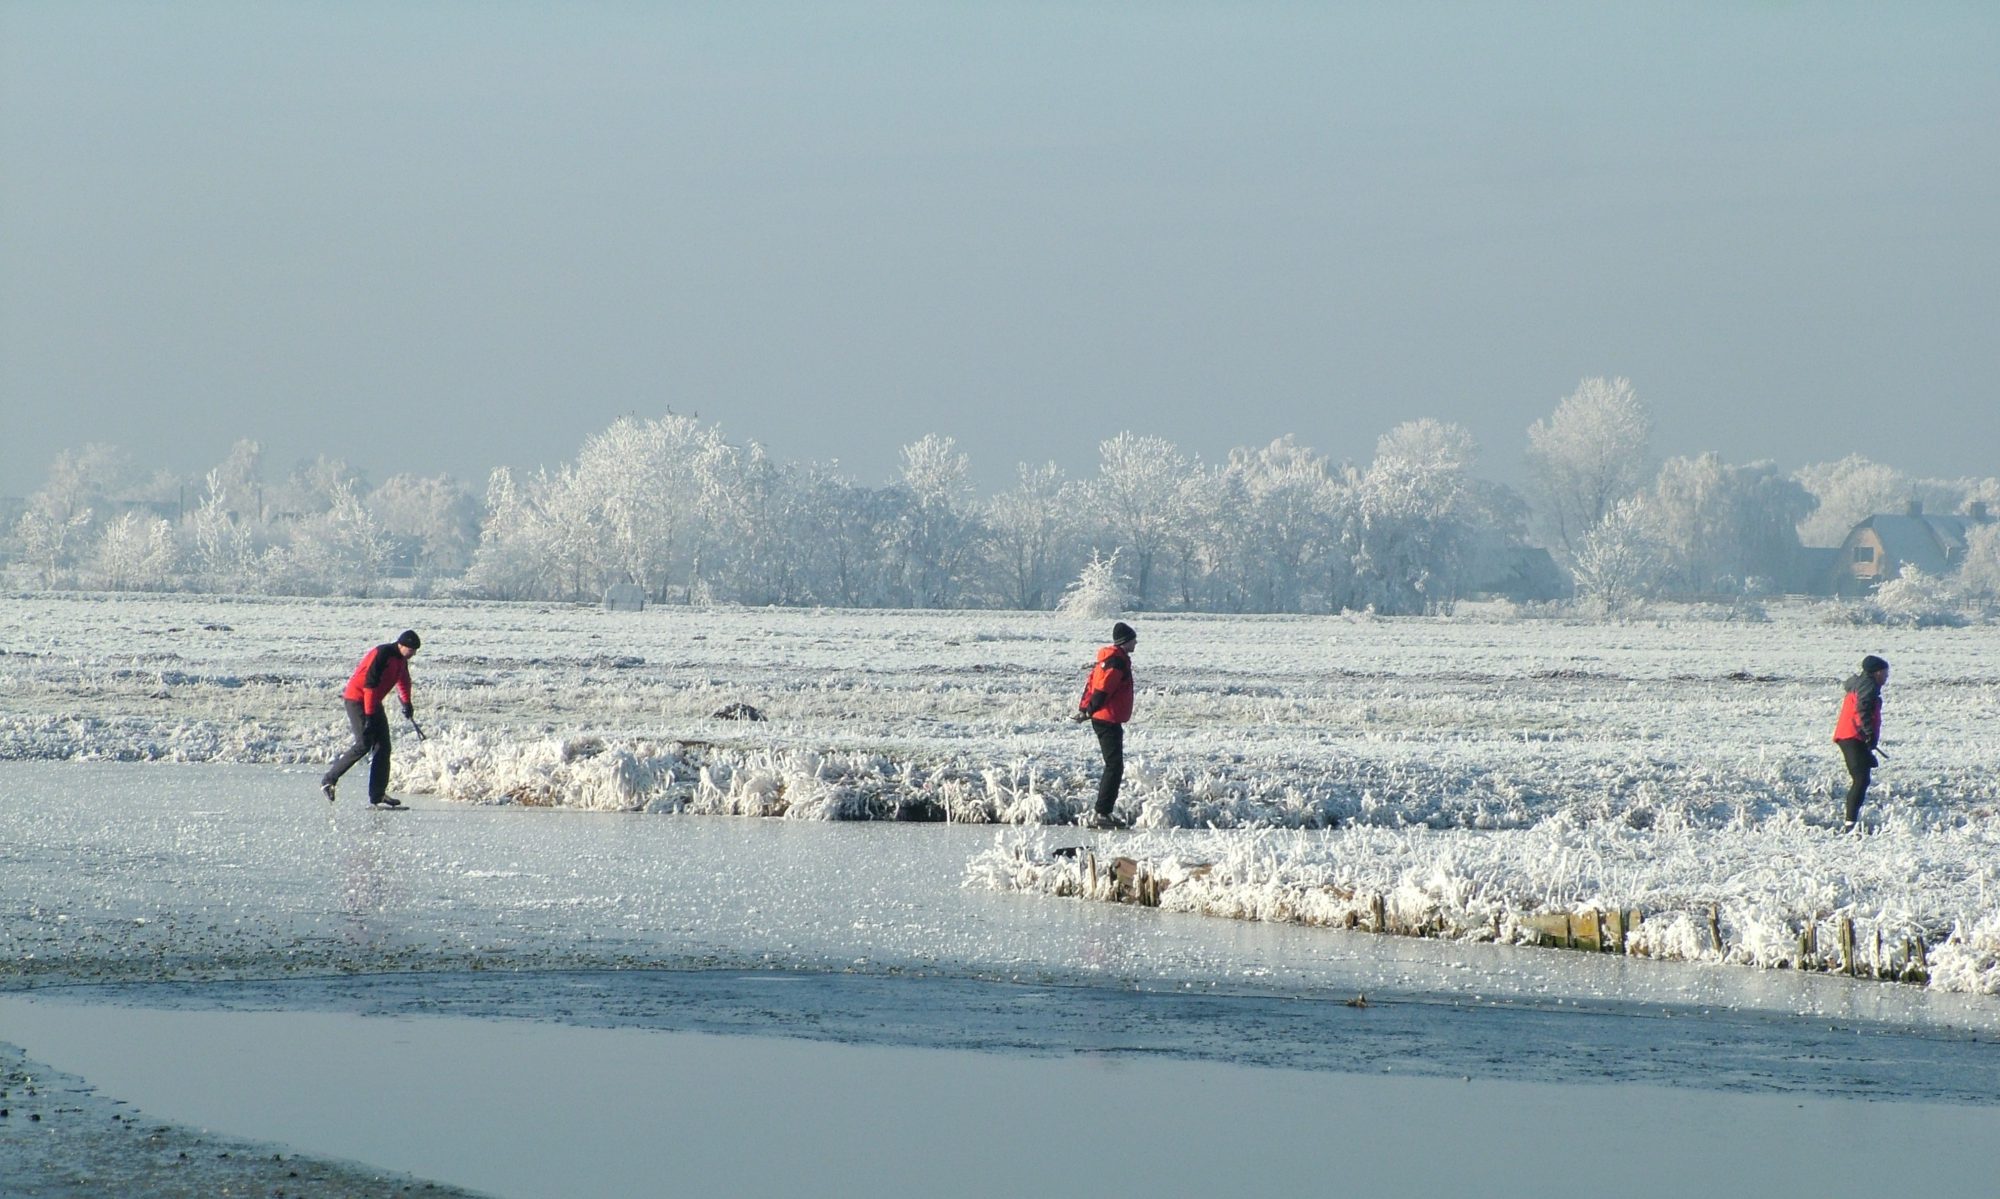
(1096, 594)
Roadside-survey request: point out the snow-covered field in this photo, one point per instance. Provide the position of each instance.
(1466, 773)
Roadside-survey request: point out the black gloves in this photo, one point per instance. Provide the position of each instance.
(409, 713)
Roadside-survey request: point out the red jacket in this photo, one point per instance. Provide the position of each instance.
(1108, 694)
(1860, 712)
(380, 669)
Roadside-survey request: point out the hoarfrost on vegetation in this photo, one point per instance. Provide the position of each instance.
(1476, 770)
(671, 507)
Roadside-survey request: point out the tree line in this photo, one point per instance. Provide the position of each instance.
(672, 506)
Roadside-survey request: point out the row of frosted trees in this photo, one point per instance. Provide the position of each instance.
(671, 505)
(321, 531)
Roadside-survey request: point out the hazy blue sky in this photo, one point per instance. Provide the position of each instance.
(446, 236)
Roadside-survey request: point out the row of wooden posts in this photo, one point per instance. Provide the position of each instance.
(1127, 880)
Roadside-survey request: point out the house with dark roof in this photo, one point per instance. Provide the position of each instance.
(1883, 546)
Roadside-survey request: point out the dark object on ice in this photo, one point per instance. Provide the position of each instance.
(738, 712)
(1104, 820)
(1358, 1001)
(921, 811)
(386, 801)
(327, 788)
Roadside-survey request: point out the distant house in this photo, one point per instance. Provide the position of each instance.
(1881, 547)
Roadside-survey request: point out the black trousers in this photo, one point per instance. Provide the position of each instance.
(1859, 763)
(1110, 739)
(371, 734)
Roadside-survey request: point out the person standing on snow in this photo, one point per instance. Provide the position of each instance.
(385, 666)
(1859, 729)
(1107, 705)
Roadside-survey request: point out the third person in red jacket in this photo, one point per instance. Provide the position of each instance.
(1107, 705)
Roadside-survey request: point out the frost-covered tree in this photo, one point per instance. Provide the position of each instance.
(1845, 493)
(658, 487)
(223, 545)
(850, 527)
(937, 540)
(807, 535)
(1138, 496)
(543, 538)
(238, 480)
(1197, 547)
(1214, 557)
(1407, 522)
(55, 527)
(89, 478)
(1096, 593)
(48, 544)
(1029, 530)
(1256, 531)
(432, 523)
(568, 533)
(135, 553)
(1916, 597)
(768, 559)
(1589, 454)
(312, 489)
(508, 563)
(1721, 526)
(1620, 560)
(1978, 577)
(340, 551)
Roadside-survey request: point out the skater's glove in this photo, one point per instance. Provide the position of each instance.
(1873, 761)
(409, 713)
(1079, 716)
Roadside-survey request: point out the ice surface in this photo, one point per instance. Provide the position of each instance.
(125, 872)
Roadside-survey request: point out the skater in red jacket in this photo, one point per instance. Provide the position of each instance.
(1859, 730)
(1107, 705)
(380, 669)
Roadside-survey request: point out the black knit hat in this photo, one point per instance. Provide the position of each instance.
(1122, 632)
(1871, 664)
(410, 639)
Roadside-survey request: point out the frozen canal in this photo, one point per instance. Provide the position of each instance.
(522, 1001)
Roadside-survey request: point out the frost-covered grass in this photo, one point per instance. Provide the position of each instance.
(1920, 899)
(1483, 767)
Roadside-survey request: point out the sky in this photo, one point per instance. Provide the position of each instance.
(444, 237)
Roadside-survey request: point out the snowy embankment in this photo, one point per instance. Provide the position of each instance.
(1920, 902)
(1480, 769)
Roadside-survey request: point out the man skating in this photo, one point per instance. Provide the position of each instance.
(381, 668)
(1107, 705)
(1859, 729)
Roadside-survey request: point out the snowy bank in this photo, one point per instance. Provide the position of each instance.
(1918, 901)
